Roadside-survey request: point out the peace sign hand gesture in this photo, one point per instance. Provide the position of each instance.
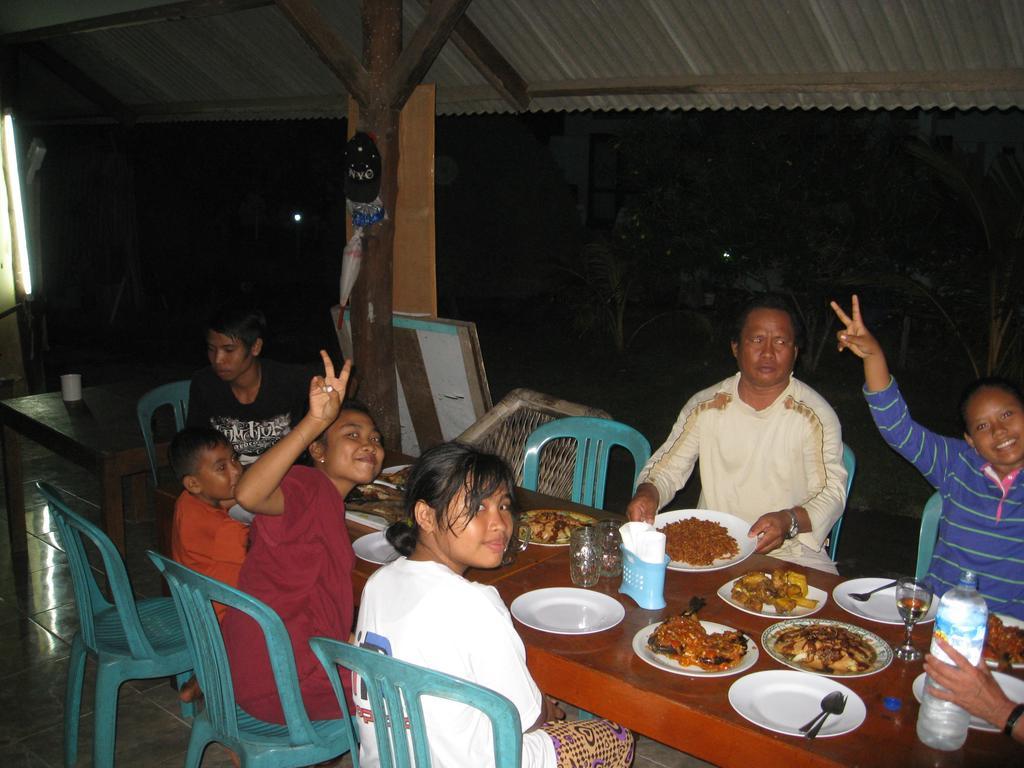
(855, 337)
(858, 339)
(326, 392)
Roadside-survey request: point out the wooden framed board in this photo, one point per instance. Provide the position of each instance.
(442, 385)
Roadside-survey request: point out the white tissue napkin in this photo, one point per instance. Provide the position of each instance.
(644, 541)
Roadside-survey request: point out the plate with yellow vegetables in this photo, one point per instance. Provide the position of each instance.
(779, 592)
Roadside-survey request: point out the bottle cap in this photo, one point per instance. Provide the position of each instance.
(969, 579)
(893, 703)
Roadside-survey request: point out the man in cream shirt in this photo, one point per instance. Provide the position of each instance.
(770, 447)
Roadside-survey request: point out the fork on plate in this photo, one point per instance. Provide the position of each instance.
(863, 597)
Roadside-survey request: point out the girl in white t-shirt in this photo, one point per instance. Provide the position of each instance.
(420, 609)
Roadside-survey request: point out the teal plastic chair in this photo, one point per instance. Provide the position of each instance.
(175, 395)
(128, 639)
(850, 462)
(257, 743)
(929, 534)
(395, 686)
(594, 439)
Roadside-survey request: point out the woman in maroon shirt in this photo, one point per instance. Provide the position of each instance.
(301, 559)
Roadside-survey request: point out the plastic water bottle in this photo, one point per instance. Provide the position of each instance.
(961, 622)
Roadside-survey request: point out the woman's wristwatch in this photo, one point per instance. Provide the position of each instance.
(794, 526)
(1011, 721)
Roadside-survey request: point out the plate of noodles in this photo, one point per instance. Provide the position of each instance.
(704, 540)
(826, 647)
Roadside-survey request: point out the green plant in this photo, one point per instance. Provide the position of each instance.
(603, 279)
(994, 199)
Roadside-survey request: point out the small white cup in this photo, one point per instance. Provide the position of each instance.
(71, 387)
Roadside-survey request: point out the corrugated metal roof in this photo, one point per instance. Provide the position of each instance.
(582, 55)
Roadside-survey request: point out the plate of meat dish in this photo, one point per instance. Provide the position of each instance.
(396, 476)
(552, 527)
(778, 592)
(684, 645)
(374, 492)
(384, 498)
(388, 508)
(704, 540)
(1004, 642)
(826, 647)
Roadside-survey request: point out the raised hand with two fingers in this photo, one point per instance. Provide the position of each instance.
(327, 392)
(858, 339)
(855, 336)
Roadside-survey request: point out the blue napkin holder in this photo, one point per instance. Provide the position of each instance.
(644, 582)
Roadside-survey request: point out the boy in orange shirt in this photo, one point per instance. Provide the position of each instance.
(204, 538)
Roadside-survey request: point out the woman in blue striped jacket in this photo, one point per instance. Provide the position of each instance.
(978, 477)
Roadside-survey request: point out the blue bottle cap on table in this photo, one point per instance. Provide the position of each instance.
(893, 703)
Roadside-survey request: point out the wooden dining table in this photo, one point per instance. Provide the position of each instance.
(100, 433)
(601, 674)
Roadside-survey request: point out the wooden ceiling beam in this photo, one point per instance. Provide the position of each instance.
(187, 9)
(307, 20)
(81, 82)
(489, 62)
(424, 45)
(833, 82)
(327, 106)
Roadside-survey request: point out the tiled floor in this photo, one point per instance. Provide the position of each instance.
(38, 620)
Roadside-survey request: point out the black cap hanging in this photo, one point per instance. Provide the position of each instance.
(362, 169)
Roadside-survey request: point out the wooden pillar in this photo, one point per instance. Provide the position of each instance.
(372, 296)
(414, 287)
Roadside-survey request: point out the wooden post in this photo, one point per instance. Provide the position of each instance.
(415, 284)
(414, 287)
(372, 297)
(381, 85)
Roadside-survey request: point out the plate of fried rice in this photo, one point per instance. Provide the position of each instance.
(703, 539)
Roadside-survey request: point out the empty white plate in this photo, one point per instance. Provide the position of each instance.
(880, 607)
(374, 548)
(1012, 687)
(782, 701)
(567, 610)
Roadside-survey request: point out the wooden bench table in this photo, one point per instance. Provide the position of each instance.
(601, 674)
(100, 433)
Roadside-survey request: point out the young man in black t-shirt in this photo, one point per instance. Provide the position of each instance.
(252, 401)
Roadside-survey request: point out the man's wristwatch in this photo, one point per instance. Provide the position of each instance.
(1011, 721)
(794, 525)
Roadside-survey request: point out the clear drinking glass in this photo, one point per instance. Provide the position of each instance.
(517, 542)
(611, 555)
(584, 556)
(913, 599)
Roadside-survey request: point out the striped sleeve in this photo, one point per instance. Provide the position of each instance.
(931, 454)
